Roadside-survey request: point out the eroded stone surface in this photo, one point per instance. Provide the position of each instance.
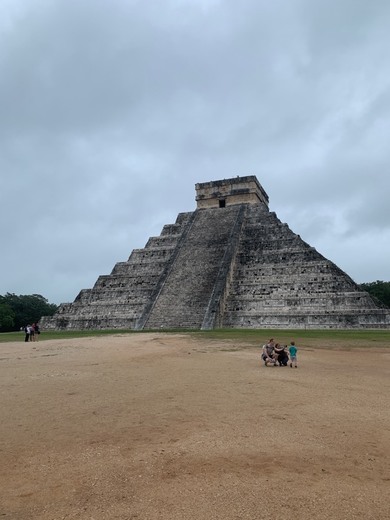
(229, 263)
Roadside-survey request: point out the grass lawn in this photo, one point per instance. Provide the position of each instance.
(320, 338)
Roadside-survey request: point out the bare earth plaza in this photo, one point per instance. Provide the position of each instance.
(170, 427)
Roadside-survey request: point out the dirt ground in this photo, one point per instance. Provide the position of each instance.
(166, 427)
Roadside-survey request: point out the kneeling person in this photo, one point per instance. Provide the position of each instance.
(268, 354)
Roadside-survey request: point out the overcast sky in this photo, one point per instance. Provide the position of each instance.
(112, 110)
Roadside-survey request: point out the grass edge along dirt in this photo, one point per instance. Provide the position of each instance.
(251, 337)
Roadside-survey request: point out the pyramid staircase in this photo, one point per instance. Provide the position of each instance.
(229, 263)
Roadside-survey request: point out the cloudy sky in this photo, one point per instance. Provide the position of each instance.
(112, 110)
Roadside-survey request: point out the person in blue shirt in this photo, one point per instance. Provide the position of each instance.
(292, 349)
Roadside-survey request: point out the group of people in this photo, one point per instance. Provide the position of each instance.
(274, 354)
(32, 332)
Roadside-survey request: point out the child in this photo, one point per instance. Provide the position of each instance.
(281, 355)
(292, 349)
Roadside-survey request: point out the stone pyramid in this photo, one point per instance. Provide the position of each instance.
(229, 263)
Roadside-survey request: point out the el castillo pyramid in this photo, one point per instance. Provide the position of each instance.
(229, 263)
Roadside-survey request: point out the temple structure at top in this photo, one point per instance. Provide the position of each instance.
(239, 190)
(229, 263)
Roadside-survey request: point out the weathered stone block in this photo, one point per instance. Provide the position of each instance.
(230, 263)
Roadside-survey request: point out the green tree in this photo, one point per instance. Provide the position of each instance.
(27, 309)
(378, 289)
(7, 317)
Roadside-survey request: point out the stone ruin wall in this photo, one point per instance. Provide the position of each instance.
(239, 190)
(237, 266)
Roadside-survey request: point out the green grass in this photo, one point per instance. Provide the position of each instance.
(71, 334)
(61, 334)
(286, 335)
(379, 337)
(305, 338)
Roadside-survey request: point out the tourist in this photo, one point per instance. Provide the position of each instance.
(32, 332)
(268, 354)
(27, 330)
(292, 349)
(281, 355)
(37, 331)
(271, 343)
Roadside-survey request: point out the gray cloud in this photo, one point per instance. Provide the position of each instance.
(111, 113)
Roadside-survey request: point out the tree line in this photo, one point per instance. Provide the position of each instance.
(378, 289)
(18, 311)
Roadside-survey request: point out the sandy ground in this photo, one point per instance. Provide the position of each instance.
(165, 427)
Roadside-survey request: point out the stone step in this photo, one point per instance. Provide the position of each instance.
(186, 292)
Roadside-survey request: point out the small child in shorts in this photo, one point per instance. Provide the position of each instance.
(292, 349)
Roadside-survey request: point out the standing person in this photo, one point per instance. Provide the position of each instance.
(292, 349)
(37, 331)
(27, 330)
(32, 332)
